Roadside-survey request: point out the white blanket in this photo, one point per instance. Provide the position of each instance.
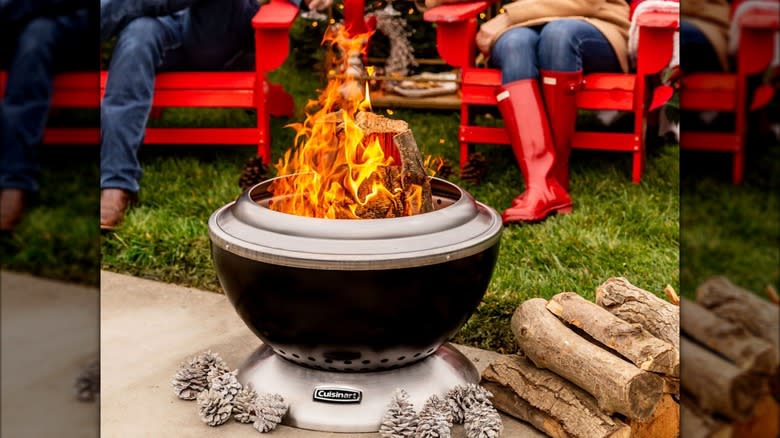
(669, 6)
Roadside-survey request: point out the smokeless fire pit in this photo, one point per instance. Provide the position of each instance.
(350, 310)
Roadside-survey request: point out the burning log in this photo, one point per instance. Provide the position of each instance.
(717, 384)
(629, 340)
(618, 385)
(547, 401)
(636, 305)
(396, 140)
(731, 341)
(741, 307)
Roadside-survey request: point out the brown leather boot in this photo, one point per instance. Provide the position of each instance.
(11, 208)
(113, 204)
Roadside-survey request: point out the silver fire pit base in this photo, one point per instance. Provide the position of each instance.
(352, 402)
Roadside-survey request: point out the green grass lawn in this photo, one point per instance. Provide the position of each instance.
(731, 230)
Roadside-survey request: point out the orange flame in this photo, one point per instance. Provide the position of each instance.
(334, 170)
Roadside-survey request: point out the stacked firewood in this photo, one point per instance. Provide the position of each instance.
(604, 369)
(729, 341)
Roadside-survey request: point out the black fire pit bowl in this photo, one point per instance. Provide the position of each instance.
(355, 295)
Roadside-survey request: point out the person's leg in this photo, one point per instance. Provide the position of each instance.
(115, 14)
(566, 48)
(26, 103)
(25, 106)
(124, 112)
(515, 54)
(696, 51)
(520, 104)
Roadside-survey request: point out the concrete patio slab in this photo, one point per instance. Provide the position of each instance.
(148, 328)
(49, 333)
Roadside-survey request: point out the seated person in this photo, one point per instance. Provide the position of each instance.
(154, 35)
(552, 42)
(37, 38)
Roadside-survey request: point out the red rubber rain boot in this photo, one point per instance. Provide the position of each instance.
(559, 90)
(535, 152)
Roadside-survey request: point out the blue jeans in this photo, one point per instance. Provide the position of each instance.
(696, 51)
(154, 35)
(25, 107)
(565, 45)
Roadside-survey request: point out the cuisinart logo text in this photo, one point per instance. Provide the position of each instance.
(337, 395)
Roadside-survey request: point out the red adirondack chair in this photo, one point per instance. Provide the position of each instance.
(729, 92)
(456, 28)
(239, 89)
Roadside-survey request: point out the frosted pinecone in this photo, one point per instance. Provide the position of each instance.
(190, 380)
(462, 397)
(271, 408)
(435, 420)
(213, 408)
(212, 364)
(226, 384)
(483, 421)
(400, 419)
(193, 376)
(245, 405)
(87, 383)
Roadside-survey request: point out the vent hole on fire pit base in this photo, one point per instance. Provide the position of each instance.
(385, 360)
(296, 356)
(328, 361)
(416, 355)
(429, 351)
(402, 358)
(366, 362)
(347, 362)
(312, 359)
(282, 352)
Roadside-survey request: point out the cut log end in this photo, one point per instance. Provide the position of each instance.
(643, 387)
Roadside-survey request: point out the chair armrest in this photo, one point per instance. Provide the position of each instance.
(656, 41)
(272, 39)
(456, 31)
(277, 14)
(453, 12)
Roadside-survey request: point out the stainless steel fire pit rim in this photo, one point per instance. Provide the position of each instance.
(463, 208)
(348, 262)
(458, 230)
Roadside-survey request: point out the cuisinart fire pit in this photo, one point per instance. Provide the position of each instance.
(350, 310)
